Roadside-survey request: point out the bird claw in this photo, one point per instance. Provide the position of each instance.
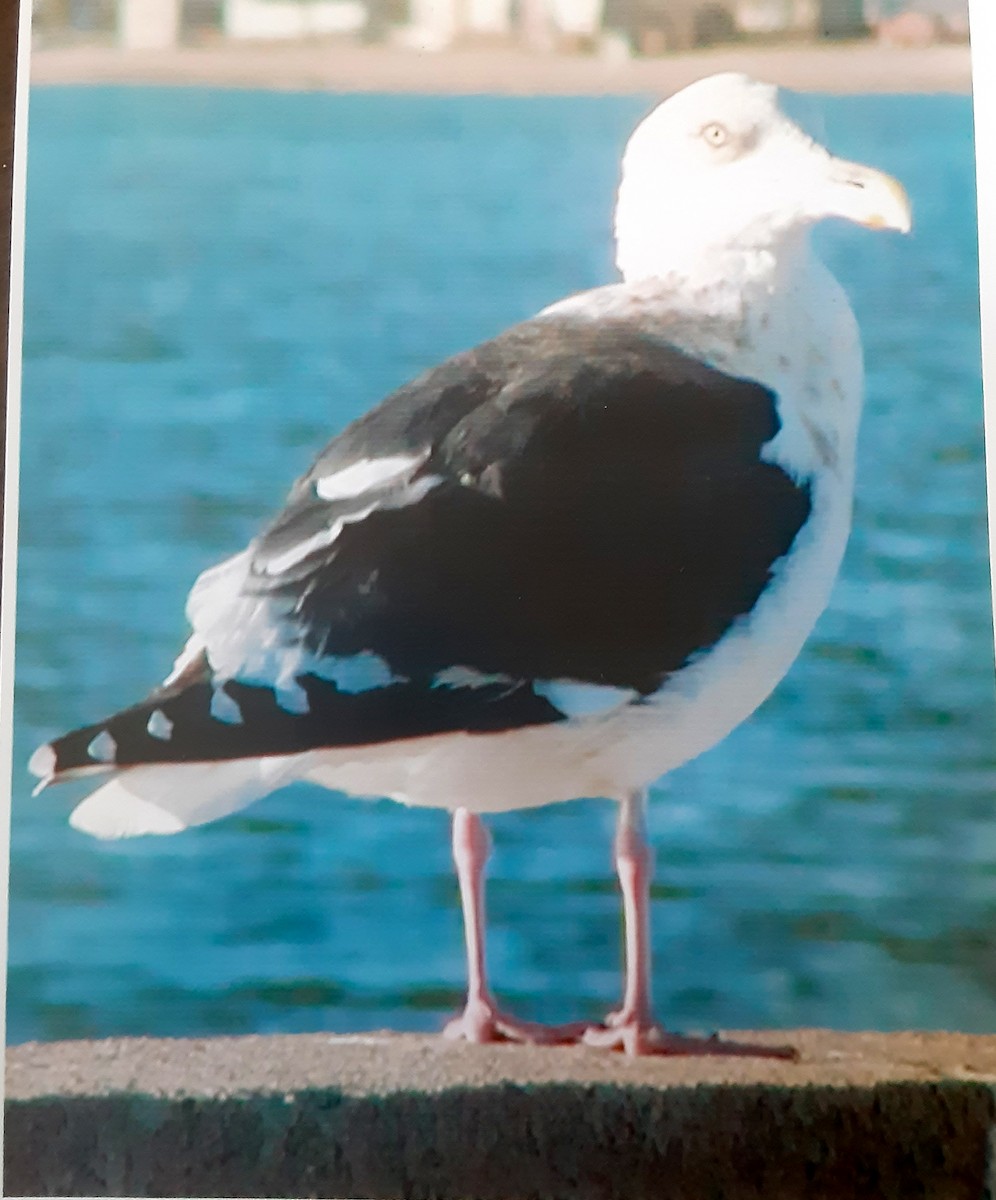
(482, 1022)
(634, 1037)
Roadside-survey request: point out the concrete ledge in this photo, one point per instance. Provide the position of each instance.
(385, 1115)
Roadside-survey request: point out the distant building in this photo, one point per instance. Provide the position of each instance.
(776, 16)
(74, 16)
(908, 29)
(658, 25)
(135, 23)
(877, 9)
(919, 22)
(292, 18)
(148, 24)
(841, 19)
(650, 26)
(434, 24)
(541, 23)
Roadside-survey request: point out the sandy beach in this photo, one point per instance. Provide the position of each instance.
(338, 66)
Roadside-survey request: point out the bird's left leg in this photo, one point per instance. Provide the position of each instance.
(481, 1019)
(633, 1028)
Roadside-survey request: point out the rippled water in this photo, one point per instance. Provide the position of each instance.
(215, 282)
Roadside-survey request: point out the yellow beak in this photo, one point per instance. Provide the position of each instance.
(865, 196)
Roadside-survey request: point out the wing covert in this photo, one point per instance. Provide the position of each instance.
(520, 508)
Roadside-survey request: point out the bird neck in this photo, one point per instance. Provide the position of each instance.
(774, 314)
(720, 280)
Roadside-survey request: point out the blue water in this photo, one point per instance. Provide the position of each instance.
(215, 283)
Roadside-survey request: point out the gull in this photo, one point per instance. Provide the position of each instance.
(557, 565)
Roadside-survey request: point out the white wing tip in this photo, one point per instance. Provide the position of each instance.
(42, 763)
(115, 812)
(577, 699)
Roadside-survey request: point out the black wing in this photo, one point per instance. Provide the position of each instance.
(571, 501)
(596, 508)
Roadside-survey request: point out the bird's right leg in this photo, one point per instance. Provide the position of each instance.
(481, 1019)
(634, 1029)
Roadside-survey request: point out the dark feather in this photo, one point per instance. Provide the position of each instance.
(598, 509)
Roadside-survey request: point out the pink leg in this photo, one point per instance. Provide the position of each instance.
(481, 1019)
(633, 1028)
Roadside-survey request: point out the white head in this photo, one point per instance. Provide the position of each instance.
(719, 169)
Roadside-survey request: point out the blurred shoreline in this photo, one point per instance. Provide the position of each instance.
(341, 66)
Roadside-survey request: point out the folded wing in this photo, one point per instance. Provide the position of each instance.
(536, 531)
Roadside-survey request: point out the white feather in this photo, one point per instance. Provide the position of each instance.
(411, 494)
(103, 748)
(42, 763)
(225, 708)
(160, 726)
(357, 672)
(324, 537)
(292, 698)
(256, 639)
(577, 699)
(364, 475)
(468, 677)
(192, 650)
(114, 812)
(166, 798)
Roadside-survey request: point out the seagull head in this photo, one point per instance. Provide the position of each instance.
(719, 168)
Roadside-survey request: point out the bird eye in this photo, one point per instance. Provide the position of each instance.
(715, 134)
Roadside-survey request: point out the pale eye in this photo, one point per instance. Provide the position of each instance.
(715, 135)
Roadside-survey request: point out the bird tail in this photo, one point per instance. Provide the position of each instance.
(165, 798)
(183, 757)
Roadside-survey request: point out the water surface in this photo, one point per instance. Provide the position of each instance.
(216, 282)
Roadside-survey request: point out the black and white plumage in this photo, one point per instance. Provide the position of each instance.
(526, 550)
(564, 562)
